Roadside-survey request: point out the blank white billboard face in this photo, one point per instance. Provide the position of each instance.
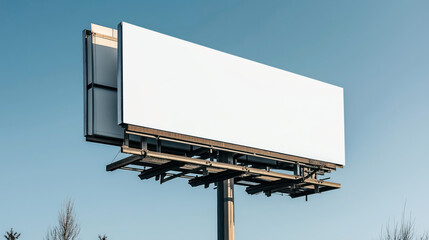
(173, 85)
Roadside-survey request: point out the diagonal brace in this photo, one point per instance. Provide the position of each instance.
(311, 173)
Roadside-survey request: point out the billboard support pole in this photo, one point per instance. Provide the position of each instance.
(225, 203)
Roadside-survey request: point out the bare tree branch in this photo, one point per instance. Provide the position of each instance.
(67, 228)
(405, 230)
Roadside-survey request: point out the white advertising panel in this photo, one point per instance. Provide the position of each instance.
(173, 85)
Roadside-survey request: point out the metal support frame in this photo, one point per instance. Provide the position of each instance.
(204, 164)
(225, 203)
(270, 177)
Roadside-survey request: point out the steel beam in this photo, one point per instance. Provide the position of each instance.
(214, 177)
(225, 203)
(161, 169)
(270, 186)
(222, 146)
(183, 173)
(226, 166)
(318, 189)
(198, 152)
(123, 162)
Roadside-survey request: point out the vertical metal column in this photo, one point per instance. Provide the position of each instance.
(225, 203)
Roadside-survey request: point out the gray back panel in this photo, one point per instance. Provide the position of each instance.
(100, 95)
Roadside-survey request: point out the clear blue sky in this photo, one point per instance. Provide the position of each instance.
(378, 51)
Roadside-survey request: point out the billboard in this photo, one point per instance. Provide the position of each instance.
(176, 86)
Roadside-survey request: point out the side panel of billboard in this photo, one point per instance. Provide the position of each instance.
(173, 85)
(100, 81)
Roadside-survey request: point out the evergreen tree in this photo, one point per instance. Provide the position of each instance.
(11, 235)
(102, 237)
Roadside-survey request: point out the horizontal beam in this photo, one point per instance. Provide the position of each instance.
(123, 162)
(214, 177)
(220, 165)
(222, 146)
(270, 186)
(198, 152)
(310, 191)
(158, 170)
(226, 166)
(105, 36)
(183, 173)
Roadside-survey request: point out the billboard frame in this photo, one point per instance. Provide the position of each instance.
(228, 147)
(198, 165)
